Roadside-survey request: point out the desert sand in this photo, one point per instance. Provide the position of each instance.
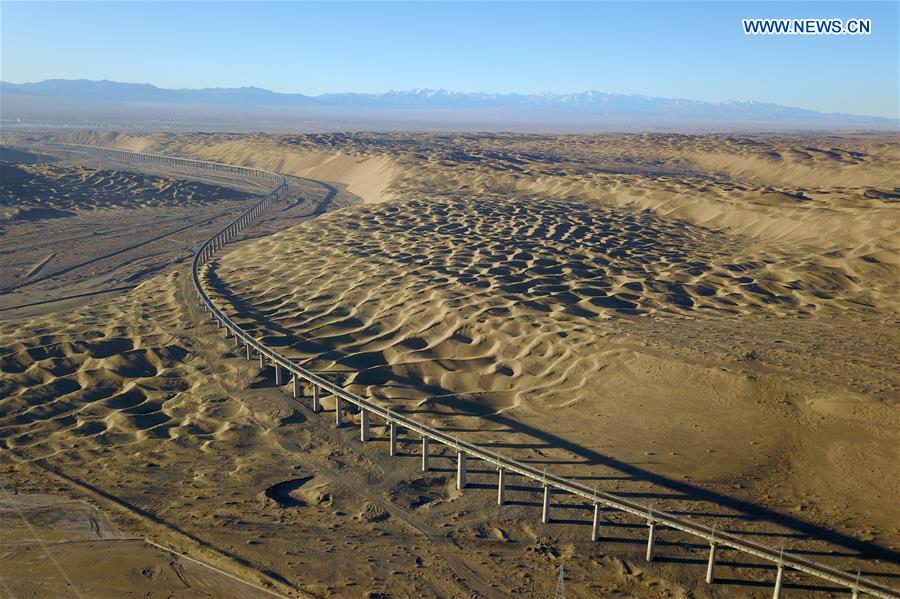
(704, 323)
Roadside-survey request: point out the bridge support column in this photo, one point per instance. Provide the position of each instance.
(651, 540)
(545, 512)
(249, 352)
(393, 438)
(338, 420)
(711, 565)
(501, 486)
(363, 425)
(317, 406)
(296, 386)
(595, 526)
(460, 471)
(425, 455)
(237, 341)
(279, 379)
(262, 360)
(779, 580)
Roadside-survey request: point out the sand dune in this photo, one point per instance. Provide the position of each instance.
(482, 307)
(138, 410)
(462, 301)
(835, 194)
(670, 317)
(60, 190)
(587, 260)
(98, 383)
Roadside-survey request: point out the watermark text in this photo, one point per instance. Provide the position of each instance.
(807, 26)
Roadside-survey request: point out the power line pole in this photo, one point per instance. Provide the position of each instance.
(561, 584)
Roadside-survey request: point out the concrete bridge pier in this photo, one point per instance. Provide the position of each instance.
(262, 360)
(595, 525)
(338, 420)
(651, 539)
(779, 580)
(317, 406)
(545, 512)
(425, 455)
(363, 425)
(237, 341)
(279, 378)
(711, 565)
(296, 386)
(501, 486)
(393, 438)
(249, 353)
(460, 471)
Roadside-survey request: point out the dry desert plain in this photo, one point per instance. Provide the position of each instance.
(706, 324)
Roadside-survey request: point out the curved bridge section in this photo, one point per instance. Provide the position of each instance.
(654, 519)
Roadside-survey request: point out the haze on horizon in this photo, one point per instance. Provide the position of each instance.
(692, 50)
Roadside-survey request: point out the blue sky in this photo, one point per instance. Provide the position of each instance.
(692, 50)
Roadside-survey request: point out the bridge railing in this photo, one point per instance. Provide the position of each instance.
(504, 465)
(162, 160)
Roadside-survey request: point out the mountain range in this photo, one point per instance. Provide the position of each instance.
(82, 102)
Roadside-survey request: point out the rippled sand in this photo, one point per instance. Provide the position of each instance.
(707, 324)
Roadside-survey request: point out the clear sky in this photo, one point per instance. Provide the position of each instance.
(693, 50)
